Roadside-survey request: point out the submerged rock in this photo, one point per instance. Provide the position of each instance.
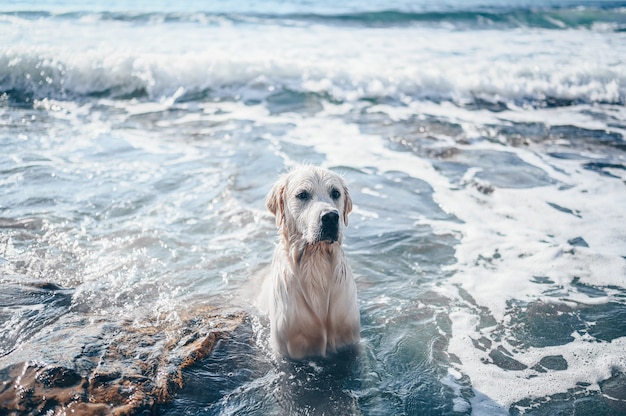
(104, 368)
(551, 362)
(504, 359)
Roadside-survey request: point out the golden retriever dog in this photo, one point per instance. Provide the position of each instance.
(309, 292)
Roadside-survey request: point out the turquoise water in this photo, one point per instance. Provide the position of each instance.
(483, 145)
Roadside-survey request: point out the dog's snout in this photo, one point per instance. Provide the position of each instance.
(330, 218)
(330, 226)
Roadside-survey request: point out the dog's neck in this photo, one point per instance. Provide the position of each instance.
(312, 272)
(320, 253)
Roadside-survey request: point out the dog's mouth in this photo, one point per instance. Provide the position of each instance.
(328, 241)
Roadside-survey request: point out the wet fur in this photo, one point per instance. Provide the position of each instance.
(309, 292)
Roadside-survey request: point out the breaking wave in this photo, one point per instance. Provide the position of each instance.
(37, 74)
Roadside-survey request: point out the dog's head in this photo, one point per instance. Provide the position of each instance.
(310, 203)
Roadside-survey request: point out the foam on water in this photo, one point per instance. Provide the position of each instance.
(500, 255)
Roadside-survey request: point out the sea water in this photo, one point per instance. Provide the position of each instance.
(483, 144)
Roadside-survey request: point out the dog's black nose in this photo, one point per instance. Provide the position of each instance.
(330, 226)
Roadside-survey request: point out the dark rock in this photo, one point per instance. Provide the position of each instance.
(503, 359)
(551, 362)
(614, 392)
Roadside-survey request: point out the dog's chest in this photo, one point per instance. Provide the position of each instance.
(317, 277)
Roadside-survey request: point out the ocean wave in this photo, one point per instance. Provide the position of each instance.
(558, 18)
(38, 74)
(608, 16)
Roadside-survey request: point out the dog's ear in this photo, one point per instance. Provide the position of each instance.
(347, 205)
(274, 202)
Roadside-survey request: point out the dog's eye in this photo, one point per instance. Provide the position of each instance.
(303, 195)
(335, 194)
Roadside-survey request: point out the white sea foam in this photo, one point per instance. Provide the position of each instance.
(588, 362)
(118, 58)
(531, 240)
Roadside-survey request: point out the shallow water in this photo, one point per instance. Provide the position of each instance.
(484, 150)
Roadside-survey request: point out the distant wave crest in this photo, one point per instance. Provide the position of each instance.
(611, 16)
